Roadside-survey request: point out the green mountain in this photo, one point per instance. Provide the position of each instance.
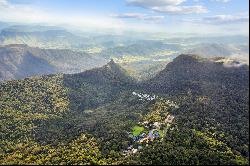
(200, 75)
(214, 96)
(195, 111)
(99, 86)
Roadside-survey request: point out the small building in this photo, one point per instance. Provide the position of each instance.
(156, 134)
(143, 135)
(169, 119)
(134, 151)
(130, 147)
(157, 125)
(143, 140)
(151, 135)
(135, 138)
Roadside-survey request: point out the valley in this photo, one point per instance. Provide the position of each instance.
(51, 115)
(71, 96)
(143, 58)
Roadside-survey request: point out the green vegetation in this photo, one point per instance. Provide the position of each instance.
(183, 147)
(162, 133)
(137, 130)
(85, 118)
(83, 150)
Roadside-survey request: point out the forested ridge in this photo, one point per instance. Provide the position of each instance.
(18, 61)
(95, 117)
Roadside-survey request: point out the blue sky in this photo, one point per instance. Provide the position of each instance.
(186, 16)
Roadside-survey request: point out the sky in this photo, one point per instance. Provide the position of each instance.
(169, 16)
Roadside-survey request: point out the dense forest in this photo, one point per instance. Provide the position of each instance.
(99, 116)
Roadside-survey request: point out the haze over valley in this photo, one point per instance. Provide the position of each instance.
(124, 82)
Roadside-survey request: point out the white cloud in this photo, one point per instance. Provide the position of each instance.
(155, 19)
(154, 3)
(224, 1)
(20, 13)
(168, 6)
(229, 19)
(139, 16)
(220, 19)
(26, 13)
(129, 15)
(220, 24)
(181, 9)
(3, 3)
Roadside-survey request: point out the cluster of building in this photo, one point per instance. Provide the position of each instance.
(172, 104)
(152, 135)
(132, 150)
(157, 125)
(155, 130)
(144, 96)
(144, 138)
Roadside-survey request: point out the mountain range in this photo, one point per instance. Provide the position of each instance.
(18, 61)
(42, 36)
(59, 50)
(239, 52)
(50, 114)
(70, 97)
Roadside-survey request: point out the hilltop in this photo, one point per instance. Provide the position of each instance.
(198, 75)
(89, 117)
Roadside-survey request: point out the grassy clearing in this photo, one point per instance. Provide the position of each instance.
(137, 130)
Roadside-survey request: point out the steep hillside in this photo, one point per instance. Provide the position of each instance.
(30, 104)
(102, 116)
(200, 75)
(48, 114)
(214, 96)
(108, 74)
(20, 61)
(98, 86)
(17, 63)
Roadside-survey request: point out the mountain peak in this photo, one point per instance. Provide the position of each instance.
(193, 72)
(112, 66)
(112, 62)
(109, 73)
(188, 58)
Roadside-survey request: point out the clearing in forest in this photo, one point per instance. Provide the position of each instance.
(137, 130)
